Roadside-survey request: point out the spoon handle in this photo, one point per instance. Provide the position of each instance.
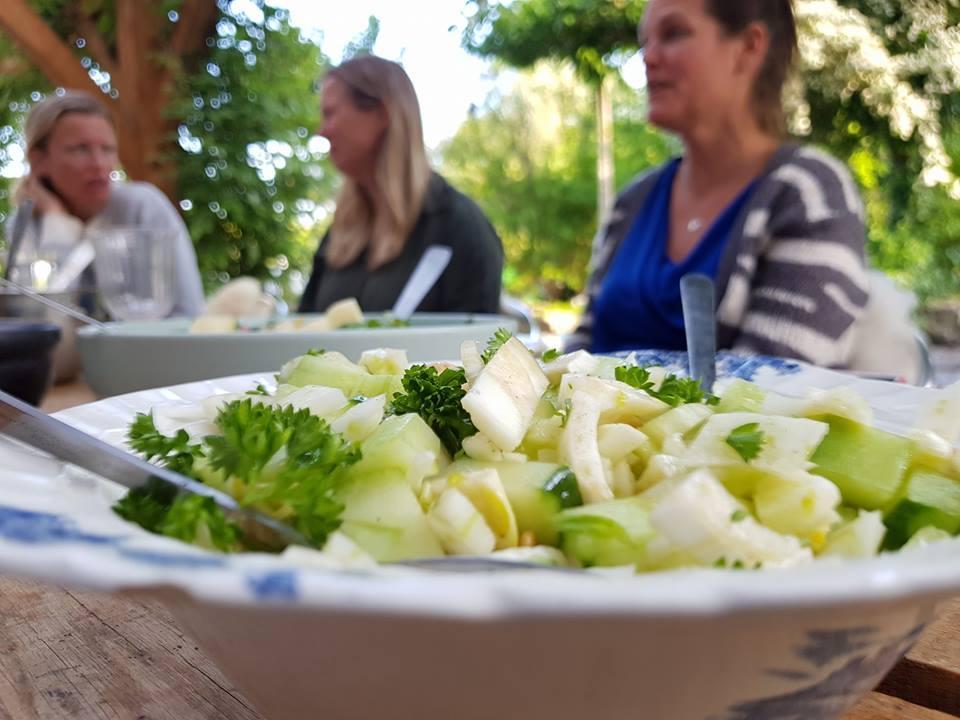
(700, 324)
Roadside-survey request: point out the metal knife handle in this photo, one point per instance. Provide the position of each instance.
(700, 324)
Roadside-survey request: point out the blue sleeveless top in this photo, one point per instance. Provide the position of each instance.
(638, 305)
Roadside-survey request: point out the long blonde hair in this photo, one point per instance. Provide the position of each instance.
(402, 170)
(44, 116)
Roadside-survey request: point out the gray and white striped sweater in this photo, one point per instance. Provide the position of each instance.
(793, 278)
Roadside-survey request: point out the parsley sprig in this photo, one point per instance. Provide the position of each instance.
(437, 398)
(674, 390)
(284, 461)
(176, 452)
(747, 440)
(498, 340)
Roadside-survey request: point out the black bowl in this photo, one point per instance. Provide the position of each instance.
(26, 358)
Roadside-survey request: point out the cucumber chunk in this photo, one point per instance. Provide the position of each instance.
(868, 465)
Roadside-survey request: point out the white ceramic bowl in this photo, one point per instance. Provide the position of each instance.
(133, 356)
(538, 645)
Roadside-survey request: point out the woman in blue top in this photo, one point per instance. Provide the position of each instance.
(778, 226)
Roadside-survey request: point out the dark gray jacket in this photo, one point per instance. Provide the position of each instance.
(793, 278)
(471, 282)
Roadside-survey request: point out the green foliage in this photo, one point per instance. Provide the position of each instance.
(535, 176)
(158, 508)
(199, 520)
(594, 34)
(246, 168)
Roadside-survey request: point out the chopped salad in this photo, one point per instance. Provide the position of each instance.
(576, 459)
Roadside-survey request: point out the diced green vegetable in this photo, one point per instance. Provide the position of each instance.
(331, 369)
(402, 445)
(926, 499)
(610, 533)
(537, 491)
(741, 396)
(382, 515)
(867, 464)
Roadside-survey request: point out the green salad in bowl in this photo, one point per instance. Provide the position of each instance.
(575, 460)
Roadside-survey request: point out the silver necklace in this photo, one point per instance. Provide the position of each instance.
(694, 224)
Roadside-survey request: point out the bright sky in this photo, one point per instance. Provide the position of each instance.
(417, 33)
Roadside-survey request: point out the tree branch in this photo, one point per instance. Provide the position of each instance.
(197, 20)
(42, 46)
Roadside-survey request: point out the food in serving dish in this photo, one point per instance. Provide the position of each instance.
(131, 356)
(576, 460)
(344, 314)
(298, 637)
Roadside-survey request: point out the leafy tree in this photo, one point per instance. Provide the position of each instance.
(214, 103)
(534, 176)
(593, 34)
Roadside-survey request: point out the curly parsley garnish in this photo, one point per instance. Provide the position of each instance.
(437, 398)
(284, 461)
(176, 452)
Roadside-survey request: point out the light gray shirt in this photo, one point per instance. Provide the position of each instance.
(59, 239)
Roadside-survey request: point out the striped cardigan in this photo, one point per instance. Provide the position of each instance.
(792, 280)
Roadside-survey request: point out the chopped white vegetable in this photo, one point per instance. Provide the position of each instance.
(787, 443)
(359, 422)
(580, 450)
(343, 312)
(504, 397)
(459, 526)
(471, 359)
(699, 518)
(384, 361)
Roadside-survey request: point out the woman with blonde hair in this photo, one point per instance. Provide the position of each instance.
(392, 206)
(69, 192)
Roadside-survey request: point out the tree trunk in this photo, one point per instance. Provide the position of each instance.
(605, 167)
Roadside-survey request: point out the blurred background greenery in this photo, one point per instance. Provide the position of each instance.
(879, 86)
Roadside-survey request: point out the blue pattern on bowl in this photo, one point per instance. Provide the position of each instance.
(728, 364)
(35, 528)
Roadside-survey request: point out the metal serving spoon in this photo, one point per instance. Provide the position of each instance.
(700, 324)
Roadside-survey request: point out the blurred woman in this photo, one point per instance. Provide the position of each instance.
(391, 206)
(778, 225)
(72, 150)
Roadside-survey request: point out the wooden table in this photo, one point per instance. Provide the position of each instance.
(79, 655)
